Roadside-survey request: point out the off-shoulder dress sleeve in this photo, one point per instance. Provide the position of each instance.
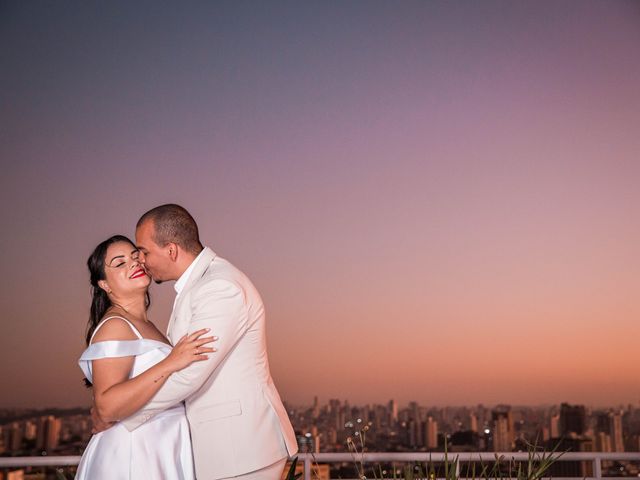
(115, 349)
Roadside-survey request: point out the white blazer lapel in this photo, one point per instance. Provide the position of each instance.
(180, 314)
(176, 328)
(172, 320)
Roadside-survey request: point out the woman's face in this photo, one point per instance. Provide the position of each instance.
(123, 272)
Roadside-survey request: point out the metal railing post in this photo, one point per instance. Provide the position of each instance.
(307, 467)
(597, 467)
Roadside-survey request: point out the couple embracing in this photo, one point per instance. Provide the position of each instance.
(199, 403)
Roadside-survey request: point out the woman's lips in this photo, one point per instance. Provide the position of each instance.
(138, 273)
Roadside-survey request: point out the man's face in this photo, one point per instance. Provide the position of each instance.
(153, 257)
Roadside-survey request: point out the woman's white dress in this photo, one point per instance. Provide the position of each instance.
(158, 449)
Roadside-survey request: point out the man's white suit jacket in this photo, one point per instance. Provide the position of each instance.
(237, 420)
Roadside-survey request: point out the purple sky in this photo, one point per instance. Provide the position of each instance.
(438, 201)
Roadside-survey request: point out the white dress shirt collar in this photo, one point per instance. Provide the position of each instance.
(182, 281)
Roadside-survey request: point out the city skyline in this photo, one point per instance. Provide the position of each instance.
(416, 430)
(436, 200)
(392, 426)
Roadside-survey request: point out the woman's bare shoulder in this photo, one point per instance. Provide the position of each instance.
(115, 328)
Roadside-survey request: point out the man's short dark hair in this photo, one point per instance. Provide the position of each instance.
(173, 224)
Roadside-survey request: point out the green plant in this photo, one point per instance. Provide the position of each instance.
(291, 474)
(538, 463)
(357, 447)
(60, 474)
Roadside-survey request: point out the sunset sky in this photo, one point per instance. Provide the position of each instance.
(438, 201)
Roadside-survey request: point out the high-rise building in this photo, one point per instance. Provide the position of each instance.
(616, 432)
(335, 414)
(473, 422)
(571, 468)
(481, 413)
(502, 441)
(603, 442)
(415, 424)
(48, 433)
(572, 419)
(30, 430)
(315, 436)
(503, 430)
(393, 412)
(413, 433)
(545, 433)
(554, 426)
(332, 437)
(604, 427)
(16, 437)
(430, 433)
(379, 417)
(41, 433)
(4, 438)
(367, 413)
(602, 422)
(334, 405)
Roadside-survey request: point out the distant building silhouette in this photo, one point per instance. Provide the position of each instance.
(473, 422)
(464, 441)
(616, 432)
(431, 433)
(393, 412)
(503, 431)
(571, 468)
(572, 420)
(48, 433)
(554, 426)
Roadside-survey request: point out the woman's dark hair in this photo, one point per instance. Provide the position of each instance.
(100, 302)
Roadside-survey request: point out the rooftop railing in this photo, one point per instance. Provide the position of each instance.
(308, 459)
(595, 458)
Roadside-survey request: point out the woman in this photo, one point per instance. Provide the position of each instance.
(127, 361)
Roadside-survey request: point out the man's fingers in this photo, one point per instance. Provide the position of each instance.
(204, 340)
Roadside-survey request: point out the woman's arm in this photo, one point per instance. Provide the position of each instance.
(220, 305)
(116, 396)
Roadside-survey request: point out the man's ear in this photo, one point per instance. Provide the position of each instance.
(104, 286)
(173, 251)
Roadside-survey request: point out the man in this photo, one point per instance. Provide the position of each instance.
(239, 427)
